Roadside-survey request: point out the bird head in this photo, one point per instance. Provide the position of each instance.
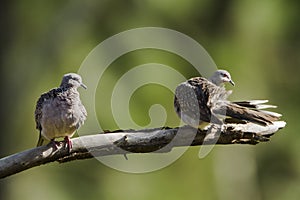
(72, 80)
(221, 76)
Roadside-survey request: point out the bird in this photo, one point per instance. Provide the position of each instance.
(59, 112)
(200, 101)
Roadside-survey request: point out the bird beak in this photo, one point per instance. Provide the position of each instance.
(231, 82)
(84, 86)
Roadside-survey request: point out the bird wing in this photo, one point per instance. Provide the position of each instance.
(38, 110)
(201, 88)
(39, 107)
(195, 98)
(187, 103)
(83, 116)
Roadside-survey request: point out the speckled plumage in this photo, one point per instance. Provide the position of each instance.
(199, 100)
(59, 112)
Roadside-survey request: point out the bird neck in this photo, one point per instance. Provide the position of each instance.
(215, 81)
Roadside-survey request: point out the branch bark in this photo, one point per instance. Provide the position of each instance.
(157, 140)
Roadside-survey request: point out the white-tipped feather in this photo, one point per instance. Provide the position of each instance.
(280, 124)
(271, 113)
(252, 102)
(265, 106)
(256, 102)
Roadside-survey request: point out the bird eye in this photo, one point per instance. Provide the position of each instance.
(225, 75)
(76, 79)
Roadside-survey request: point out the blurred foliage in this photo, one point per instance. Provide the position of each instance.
(257, 41)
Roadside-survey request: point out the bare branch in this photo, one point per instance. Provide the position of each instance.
(121, 142)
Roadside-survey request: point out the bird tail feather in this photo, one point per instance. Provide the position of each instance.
(255, 104)
(252, 115)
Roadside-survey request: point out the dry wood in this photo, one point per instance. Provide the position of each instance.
(160, 140)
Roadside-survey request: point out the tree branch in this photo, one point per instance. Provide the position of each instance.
(123, 142)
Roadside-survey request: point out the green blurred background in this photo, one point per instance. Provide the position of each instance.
(257, 41)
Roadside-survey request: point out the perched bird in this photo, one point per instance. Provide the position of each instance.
(59, 112)
(201, 101)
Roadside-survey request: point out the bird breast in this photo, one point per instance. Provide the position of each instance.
(61, 117)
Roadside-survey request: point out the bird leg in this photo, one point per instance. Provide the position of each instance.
(68, 143)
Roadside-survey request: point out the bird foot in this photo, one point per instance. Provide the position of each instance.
(68, 143)
(54, 144)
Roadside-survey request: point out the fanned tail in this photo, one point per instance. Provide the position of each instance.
(252, 115)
